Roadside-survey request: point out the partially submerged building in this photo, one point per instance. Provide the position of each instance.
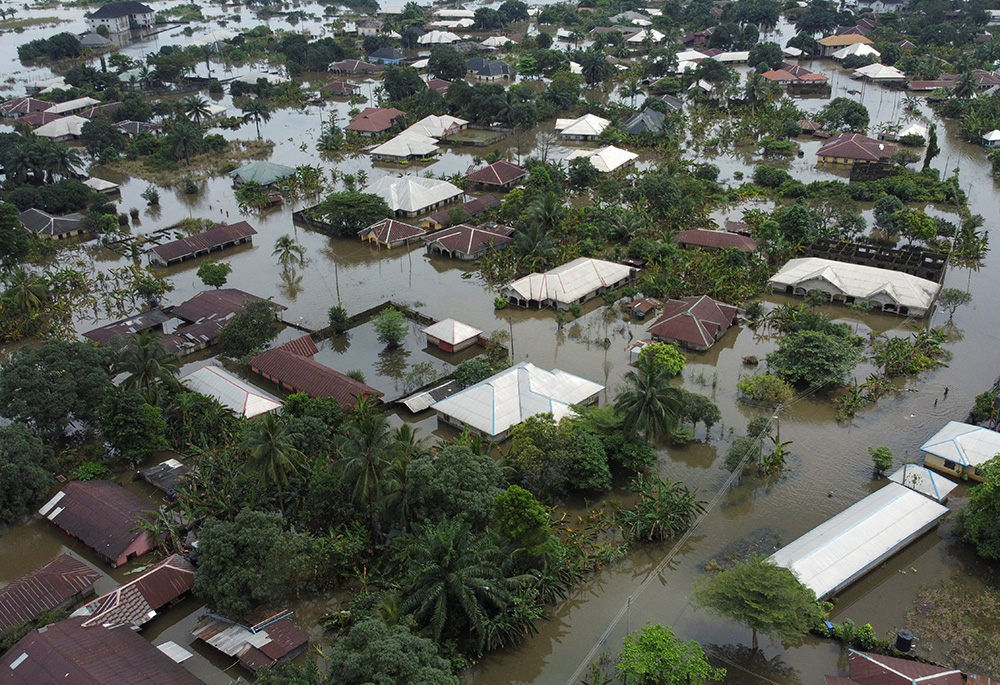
(371, 121)
(234, 393)
(885, 290)
(574, 282)
(704, 239)
(468, 242)
(218, 237)
(499, 177)
(606, 159)
(851, 148)
(838, 552)
(451, 335)
(469, 210)
(261, 172)
(208, 312)
(493, 406)
(103, 516)
(391, 233)
(59, 584)
(167, 476)
(46, 225)
(959, 449)
(136, 602)
(695, 323)
(587, 127)
(261, 640)
(411, 196)
(879, 669)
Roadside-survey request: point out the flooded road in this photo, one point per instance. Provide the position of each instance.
(830, 466)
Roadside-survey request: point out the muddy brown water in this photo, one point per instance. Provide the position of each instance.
(829, 470)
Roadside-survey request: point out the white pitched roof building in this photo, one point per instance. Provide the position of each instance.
(890, 291)
(587, 127)
(493, 406)
(438, 38)
(414, 195)
(858, 49)
(62, 129)
(960, 448)
(879, 72)
(606, 159)
(575, 281)
(407, 145)
(438, 125)
(231, 391)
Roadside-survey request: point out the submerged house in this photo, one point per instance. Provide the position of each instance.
(136, 602)
(468, 242)
(695, 323)
(959, 449)
(261, 172)
(257, 641)
(576, 281)
(704, 239)
(500, 176)
(493, 406)
(208, 312)
(606, 159)
(218, 237)
(887, 291)
(231, 391)
(391, 233)
(469, 210)
(45, 225)
(451, 335)
(851, 148)
(371, 121)
(587, 127)
(61, 583)
(102, 515)
(877, 669)
(411, 196)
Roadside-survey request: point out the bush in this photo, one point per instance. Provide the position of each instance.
(765, 387)
(338, 318)
(390, 327)
(983, 408)
(770, 177)
(665, 355)
(90, 470)
(882, 458)
(472, 371)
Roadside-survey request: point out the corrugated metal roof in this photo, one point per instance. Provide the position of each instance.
(451, 331)
(413, 193)
(498, 174)
(303, 374)
(964, 444)
(569, 282)
(469, 240)
(215, 237)
(924, 481)
(836, 553)
(128, 327)
(231, 391)
(859, 281)
(701, 237)
(606, 159)
(391, 232)
(506, 399)
(697, 321)
(44, 589)
(66, 652)
(877, 669)
(136, 602)
(254, 648)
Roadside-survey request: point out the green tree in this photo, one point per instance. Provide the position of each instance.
(665, 356)
(270, 444)
(195, 108)
(950, 299)
(766, 598)
(813, 358)
(253, 325)
(98, 135)
(452, 581)
(15, 244)
(664, 509)
(24, 475)
(454, 482)
(147, 364)
(655, 656)
(55, 385)
(933, 149)
(26, 293)
(214, 273)
(390, 327)
(401, 82)
(446, 62)
(844, 113)
(768, 54)
(348, 212)
(245, 563)
(288, 252)
(182, 140)
(375, 653)
(523, 520)
(256, 111)
(367, 450)
(765, 387)
(882, 458)
(133, 428)
(980, 518)
(649, 403)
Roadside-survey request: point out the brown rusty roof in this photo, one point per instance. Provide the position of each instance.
(374, 119)
(214, 304)
(216, 236)
(340, 88)
(132, 603)
(858, 147)
(875, 669)
(716, 239)
(304, 346)
(471, 239)
(44, 589)
(698, 321)
(471, 208)
(100, 514)
(275, 638)
(25, 105)
(302, 374)
(389, 231)
(66, 652)
(129, 327)
(497, 174)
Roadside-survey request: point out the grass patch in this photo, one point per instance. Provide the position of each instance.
(959, 624)
(14, 24)
(201, 167)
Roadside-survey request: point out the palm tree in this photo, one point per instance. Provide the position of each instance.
(595, 67)
(195, 108)
(270, 444)
(61, 160)
(631, 89)
(628, 224)
(547, 210)
(367, 449)
(965, 87)
(18, 162)
(26, 292)
(535, 243)
(183, 139)
(256, 111)
(452, 580)
(288, 252)
(650, 404)
(147, 363)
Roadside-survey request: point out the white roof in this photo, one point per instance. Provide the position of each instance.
(462, 23)
(703, 84)
(420, 64)
(437, 125)
(575, 68)
(456, 14)
(992, 135)
(438, 38)
(859, 49)
(859, 281)
(686, 65)
(231, 391)
(734, 56)
(406, 144)
(880, 72)
(836, 553)
(451, 331)
(506, 399)
(54, 82)
(791, 52)
(174, 651)
(497, 41)
(964, 444)
(688, 55)
(607, 158)
(214, 37)
(70, 105)
(913, 130)
(412, 193)
(67, 126)
(587, 125)
(254, 76)
(569, 282)
(653, 34)
(924, 481)
(99, 184)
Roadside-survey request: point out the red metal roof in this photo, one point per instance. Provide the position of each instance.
(875, 669)
(132, 603)
(303, 374)
(697, 321)
(390, 231)
(858, 147)
(216, 236)
(472, 208)
(66, 652)
(304, 346)
(716, 239)
(23, 106)
(374, 119)
(340, 88)
(353, 66)
(497, 174)
(36, 119)
(99, 513)
(208, 311)
(439, 84)
(470, 240)
(44, 589)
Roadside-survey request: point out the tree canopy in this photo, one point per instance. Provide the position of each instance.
(374, 653)
(350, 211)
(455, 482)
(24, 478)
(655, 656)
(253, 325)
(980, 519)
(813, 358)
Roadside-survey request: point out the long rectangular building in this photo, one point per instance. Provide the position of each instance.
(218, 237)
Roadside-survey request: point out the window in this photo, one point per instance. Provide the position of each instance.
(950, 465)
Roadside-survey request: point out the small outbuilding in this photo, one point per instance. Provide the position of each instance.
(703, 239)
(991, 139)
(959, 449)
(231, 391)
(391, 233)
(641, 308)
(59, 584)
(451, 335)
(102, 515)
(695, 323)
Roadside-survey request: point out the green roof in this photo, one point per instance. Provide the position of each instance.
(264, 173)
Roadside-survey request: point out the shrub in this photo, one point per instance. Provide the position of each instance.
(390, 327)
(665, 355)
(765, 387)
(338, 318)
(90, 470)
(882, 458)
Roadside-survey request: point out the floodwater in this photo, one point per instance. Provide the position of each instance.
(830, 468)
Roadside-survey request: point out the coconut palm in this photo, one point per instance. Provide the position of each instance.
(26, 292)
(631, 89)
(535, 244)
(453, 581)
(595, 67)
(288, 252)
(650, 404)
(60, 160)
(147, 363)
(195, 108)
(547, 210)
(183, 139)
(367, 449)
(965, 87)
(256, 111)
(270, 444)
(19, 162)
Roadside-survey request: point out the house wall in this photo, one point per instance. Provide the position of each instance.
(141, 545)
(950, 468)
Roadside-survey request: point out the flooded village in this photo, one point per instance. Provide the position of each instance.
(597, 342)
